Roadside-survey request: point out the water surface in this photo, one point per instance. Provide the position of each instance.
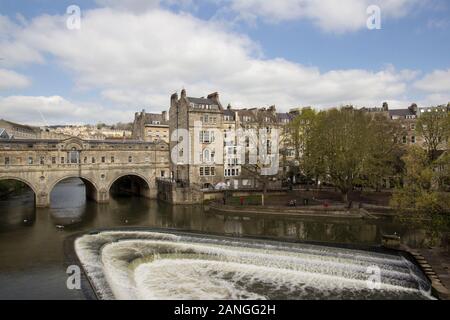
(32, 261)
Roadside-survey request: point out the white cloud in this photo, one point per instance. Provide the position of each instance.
(14, 51)
(137, 60)
(329, 15)
(437, 87)
(43, 110)
(436, 82)
(10, 79)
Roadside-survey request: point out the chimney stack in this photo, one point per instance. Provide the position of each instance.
(214, 97)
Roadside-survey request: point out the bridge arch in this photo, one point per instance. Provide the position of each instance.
(140, 184)
(25, 181)
(37, 195)
(92, 189)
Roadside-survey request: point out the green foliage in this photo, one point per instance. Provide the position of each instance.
(421, 198)
(348, 147)
(434, 127)
(11, 186)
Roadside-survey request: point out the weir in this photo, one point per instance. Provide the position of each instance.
(152, 265)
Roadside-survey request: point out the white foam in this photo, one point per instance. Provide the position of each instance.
(147, 265)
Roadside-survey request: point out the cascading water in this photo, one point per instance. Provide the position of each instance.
(152, 265)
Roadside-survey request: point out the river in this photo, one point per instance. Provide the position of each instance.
(32, 260)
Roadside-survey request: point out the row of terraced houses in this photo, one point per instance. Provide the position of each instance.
(217, 164)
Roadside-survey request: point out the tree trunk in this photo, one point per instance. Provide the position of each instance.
(263, 194)
(345, 197)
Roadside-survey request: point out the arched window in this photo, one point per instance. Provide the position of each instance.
(74, 156)
(206, 156)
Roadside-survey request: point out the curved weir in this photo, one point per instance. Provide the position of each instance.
(152, 265)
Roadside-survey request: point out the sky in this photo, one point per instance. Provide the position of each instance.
(117, 57)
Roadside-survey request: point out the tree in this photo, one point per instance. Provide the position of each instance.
(339, 147)
(262, 123)
(346, 145)
(300, 130)
(420, 198)
(434, 127)
(385, 161)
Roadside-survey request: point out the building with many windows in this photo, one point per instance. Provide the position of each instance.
(208, 141)
(150, 127)
(19, 131)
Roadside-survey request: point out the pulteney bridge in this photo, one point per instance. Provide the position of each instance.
(42, 164)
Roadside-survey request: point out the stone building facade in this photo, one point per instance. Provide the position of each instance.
(196, 144)
(150, 127)
(19, 131)
(407, 119)
(206, 146)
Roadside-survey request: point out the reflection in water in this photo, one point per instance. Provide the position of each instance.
(31, 250)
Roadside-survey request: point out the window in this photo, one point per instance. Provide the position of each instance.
(231, 172)
(53, 160)
(42, 161)
(6, 161)
(112, 159)
(85, 160)
(404, 139)
(130, 159)
(62, 160)
(207, 171)
(103, 159)
(93, 160)
(413, 126)
(74, 156)
(163, 174)
(205, 136)
(413, 139)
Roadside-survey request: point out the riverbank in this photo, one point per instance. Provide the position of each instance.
(435, 263)
(335, 211)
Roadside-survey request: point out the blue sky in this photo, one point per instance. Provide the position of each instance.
(132, 54)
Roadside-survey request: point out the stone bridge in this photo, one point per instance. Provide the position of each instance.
(42, 164)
